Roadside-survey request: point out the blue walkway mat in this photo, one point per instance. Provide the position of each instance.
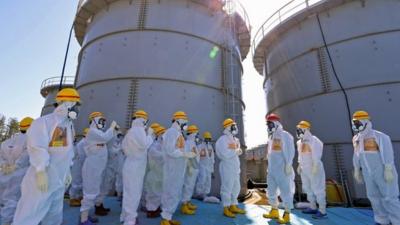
(210, 214)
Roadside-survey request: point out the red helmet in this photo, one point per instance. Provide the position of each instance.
(272, 117)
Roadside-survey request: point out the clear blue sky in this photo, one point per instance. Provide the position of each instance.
(32, 44)
(33, 41)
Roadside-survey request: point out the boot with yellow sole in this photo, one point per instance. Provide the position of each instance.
(285, 218)
(228, 213)
(185, 209)
(273, 214)
(236, 210)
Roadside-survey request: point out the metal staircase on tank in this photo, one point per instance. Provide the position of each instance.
(132, 101)
(323, 70)
(341, 173)
(143, 14)
(230, 89)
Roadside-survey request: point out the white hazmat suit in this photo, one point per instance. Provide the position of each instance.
(50, 148)
(75, 192)
(280, 154)
(192, 169)
(95, 164)
(373, 153)
(154, 176)
(228, 151)
(175, 159)
(113, 163)
(14, 155)
(207, 160)
(312, 170)
(135, 146)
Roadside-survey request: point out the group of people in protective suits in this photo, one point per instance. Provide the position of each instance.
(161, 168)
(39, 163)
(373, 162)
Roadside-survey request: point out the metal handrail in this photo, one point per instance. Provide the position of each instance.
(240, 10)
(55, 81)
(281, 15)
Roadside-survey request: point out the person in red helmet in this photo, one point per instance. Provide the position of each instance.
(280, 151)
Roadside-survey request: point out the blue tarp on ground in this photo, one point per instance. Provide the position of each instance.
(210, 214)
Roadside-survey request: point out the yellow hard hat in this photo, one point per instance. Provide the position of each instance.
(25, 123)
(68, 95)
(304, 125)
(96, 114)
(361, 115)
(207, 135)
(140, 114)
(192, 129)
(228, 122)
(85, 131)
(180, 115)
(160, 130)
(154, 126)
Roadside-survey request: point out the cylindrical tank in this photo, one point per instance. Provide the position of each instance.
(49, 89)
(161, 56)
(300, 48)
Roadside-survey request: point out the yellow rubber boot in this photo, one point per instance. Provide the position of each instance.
(228, 213)
(236, 210)
(191, 206)
(273, 214)
(174, 222)
(185, 209)
(165, 222)
(285, 219)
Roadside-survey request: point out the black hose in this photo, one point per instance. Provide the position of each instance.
(347, 192)
(65, 57)
(336, 76)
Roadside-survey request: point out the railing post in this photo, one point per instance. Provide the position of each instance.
(279, 14)
(307, 5)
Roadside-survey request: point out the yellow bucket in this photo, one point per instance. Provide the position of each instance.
(334, 192)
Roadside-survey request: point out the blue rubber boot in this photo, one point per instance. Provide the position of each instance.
(87, 223)
(310, 211)
(320, 215)
(93, 219)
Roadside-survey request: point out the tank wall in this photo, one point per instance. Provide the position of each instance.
(150, 54)
(363, 41)
(109, 97)
(49, 101)
(163, 15)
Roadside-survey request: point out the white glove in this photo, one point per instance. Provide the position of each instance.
(288, 170)
(299, 170)
(239, 151)
(358, 176)
(42, 181)
(388, 174)
(113, 125)
(189, 155)
(8, 168)
(314, 169)
(68, 180)
(3, 168)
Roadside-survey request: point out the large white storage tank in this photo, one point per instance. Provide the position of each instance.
(162, 56)
(49, 89)
(306, 48)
